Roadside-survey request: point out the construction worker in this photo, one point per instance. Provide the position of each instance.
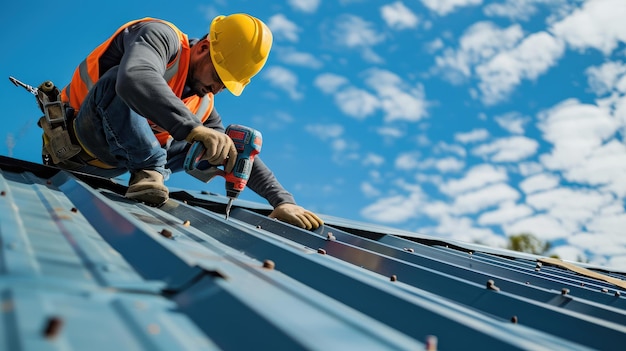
(141, 97)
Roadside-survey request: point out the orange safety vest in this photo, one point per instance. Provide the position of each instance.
(88, 72)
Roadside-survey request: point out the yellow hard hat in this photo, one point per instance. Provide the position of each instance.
(240, 45)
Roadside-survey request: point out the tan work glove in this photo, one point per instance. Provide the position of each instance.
(219, 147)
(296, 215)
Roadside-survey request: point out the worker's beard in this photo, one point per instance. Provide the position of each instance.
(194, 84)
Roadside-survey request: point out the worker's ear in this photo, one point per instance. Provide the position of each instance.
(201, 49)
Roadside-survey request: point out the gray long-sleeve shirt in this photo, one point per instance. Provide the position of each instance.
(142, 52)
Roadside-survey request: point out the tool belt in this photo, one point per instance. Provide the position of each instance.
(61, 146)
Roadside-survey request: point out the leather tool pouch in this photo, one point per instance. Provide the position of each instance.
(56, 137)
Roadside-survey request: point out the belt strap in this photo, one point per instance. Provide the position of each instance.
(85, 155)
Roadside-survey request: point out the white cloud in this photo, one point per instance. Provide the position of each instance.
(510, 149)
(442, 147)
(308, 6)
(482, 199)
(390, 132)
(398, 100)
(506, 213)
(575, 130)
(407, 161)
(357, 103)
(449, 164)
(599, 24)
(398, 16)
(479, 43)
(512, 9)
(606, 77)
(353, 32)
(544, 227)
(529, 168)
(539, 182)
(296, 58)
(329, 83)
(474, 135)
(373, 160)
(283, 79)
(325, 131)
(477, 177)
(444, 7)
(395, 209)
(513, 122)
(282, 28)
(369, 190)
(463, 229)
(531, 58)
(520, 9)
(572, 207)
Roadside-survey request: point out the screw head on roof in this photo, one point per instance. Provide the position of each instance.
(269, 264)
(154, 329)
(514, 319)
(409, 249)
(74, 209)
(53, 327)
(431, 343)
(166, 233)
(186, 223)
(2, 193)
(617, 294)
(321, 251)
(605, 290)
(393, 278)
(330, 236)
(564, 291)
(491, 285)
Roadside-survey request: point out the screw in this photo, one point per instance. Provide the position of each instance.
(166, 233)
(330, 236)
(409, 249)
(154, 329)
(321, 251)
(394, 278)
(564, 291)
(492, 286)
(186, 223)
(2, 193)
(617, 294)
(605, 290)
(258, 226)
(74, 209)
(514, 319)
(269, 264)
(431, 343)
(53, 327)
(527, 283)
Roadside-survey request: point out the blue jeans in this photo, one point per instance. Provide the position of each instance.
(116, 134)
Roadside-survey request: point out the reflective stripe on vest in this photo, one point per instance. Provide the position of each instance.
(200, 106)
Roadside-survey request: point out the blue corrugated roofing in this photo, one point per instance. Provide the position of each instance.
(84, 268)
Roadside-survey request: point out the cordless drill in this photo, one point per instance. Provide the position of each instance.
(248, 143)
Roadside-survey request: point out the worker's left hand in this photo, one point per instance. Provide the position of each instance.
(296, 215)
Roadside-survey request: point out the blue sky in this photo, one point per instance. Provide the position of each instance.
(462, 119)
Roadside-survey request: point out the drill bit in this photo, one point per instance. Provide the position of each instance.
(230, 203)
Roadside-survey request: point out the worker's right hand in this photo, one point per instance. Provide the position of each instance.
(219, 147)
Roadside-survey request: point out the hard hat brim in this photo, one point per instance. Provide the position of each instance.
(234, 86)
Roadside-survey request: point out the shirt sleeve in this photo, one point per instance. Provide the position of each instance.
(262, 180)
(147, 49)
